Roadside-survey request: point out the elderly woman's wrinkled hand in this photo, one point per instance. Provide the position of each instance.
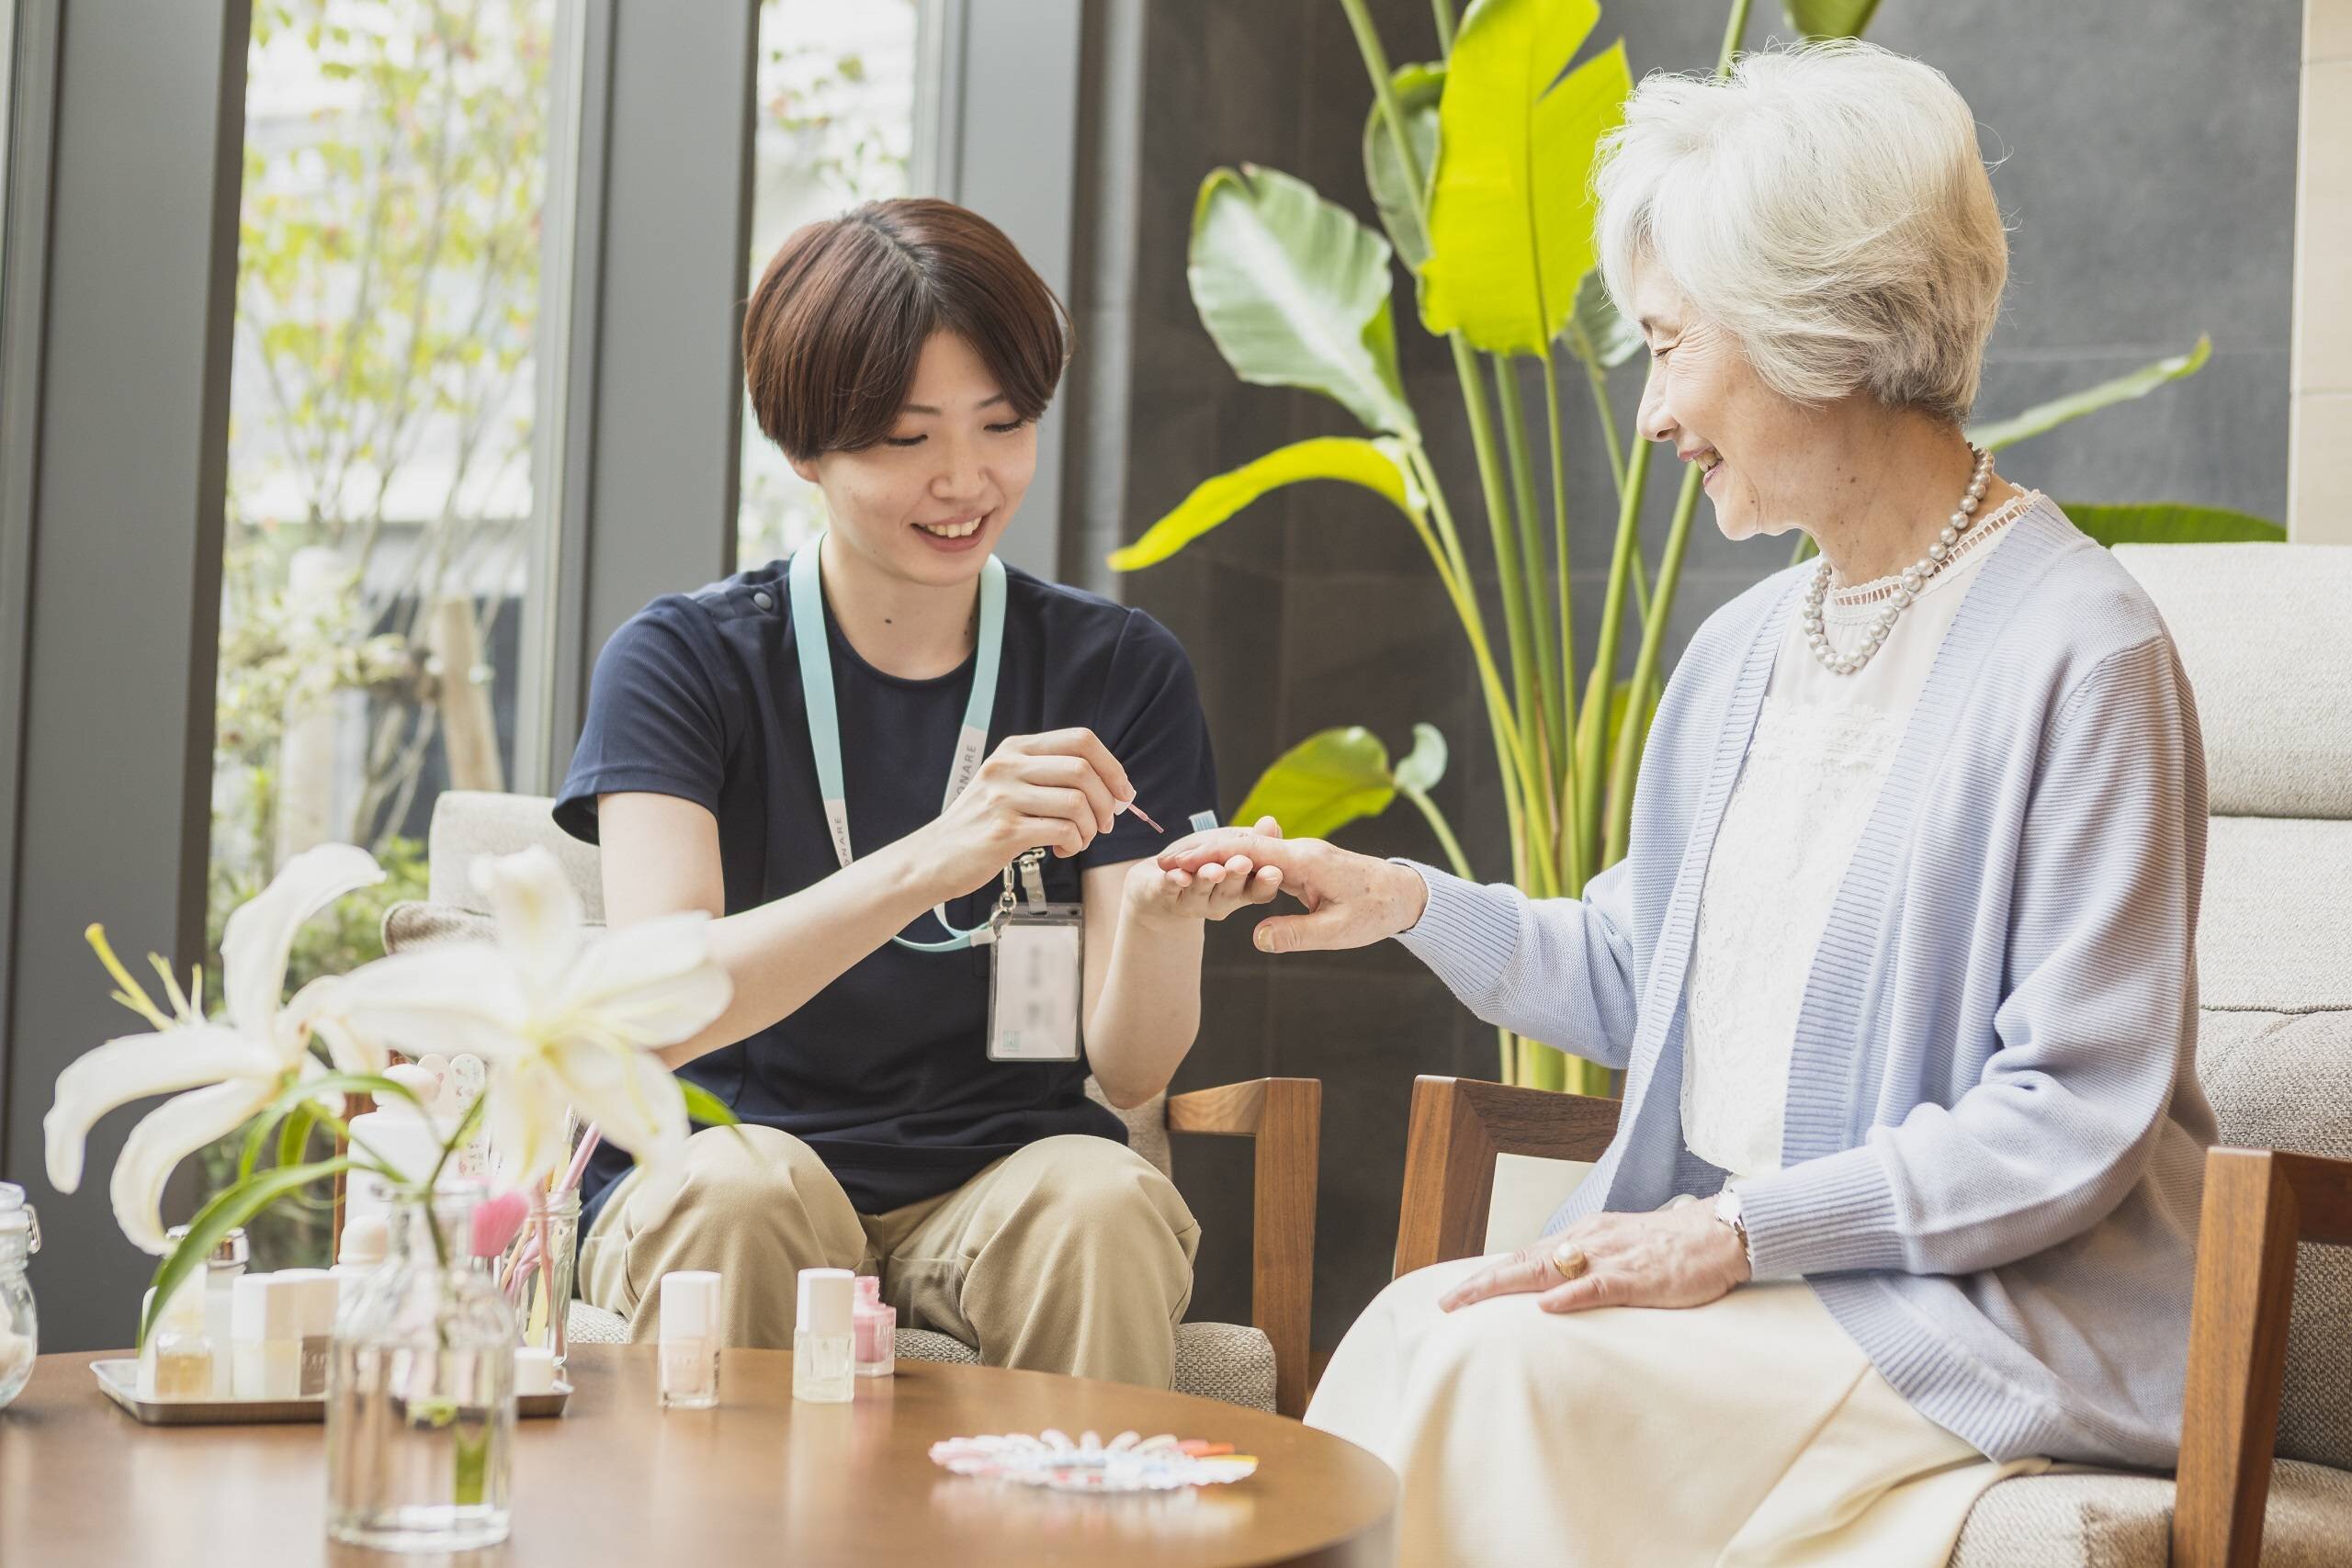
(1352, 900)
(1678, 1257)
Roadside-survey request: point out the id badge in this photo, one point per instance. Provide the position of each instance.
(1037, 969)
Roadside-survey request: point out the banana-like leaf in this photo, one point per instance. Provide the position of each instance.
(1324, 783)
(1601, 336)
(1379, 466)
(1829, 18)
(1424, 765)
(1294, 291)
(2170, 523)
(2049, 416)
(1511, 215)
(1418, 88)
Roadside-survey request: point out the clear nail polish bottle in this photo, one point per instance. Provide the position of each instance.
(689, 1339)
(822, 1336)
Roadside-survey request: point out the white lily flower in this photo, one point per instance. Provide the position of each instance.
(229, 1071)
(565, 1016)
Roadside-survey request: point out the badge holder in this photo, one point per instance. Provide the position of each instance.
(1037, 969)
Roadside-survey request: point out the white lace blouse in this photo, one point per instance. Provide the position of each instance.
(1822, 745)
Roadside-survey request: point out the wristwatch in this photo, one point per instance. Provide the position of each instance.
(1727, 1211)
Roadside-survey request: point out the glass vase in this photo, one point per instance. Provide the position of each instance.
(536, 1272)
(421, 1392)
(19, 1324)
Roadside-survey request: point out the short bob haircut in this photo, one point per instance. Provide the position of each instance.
(832, 334)
(1829, 206)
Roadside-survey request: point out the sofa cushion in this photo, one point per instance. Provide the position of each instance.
(2102, 1519)
(2274, 931)
(2262, 632)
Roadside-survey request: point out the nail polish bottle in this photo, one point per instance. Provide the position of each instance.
(689, 1339)
(874, 1324)
(179, 1355)
(315, 1296)
(267, 1329)
(821, 1337)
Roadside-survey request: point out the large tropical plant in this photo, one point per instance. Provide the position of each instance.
(1479, 165)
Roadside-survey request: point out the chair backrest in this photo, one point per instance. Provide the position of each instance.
(471, 823)
(2265, 632)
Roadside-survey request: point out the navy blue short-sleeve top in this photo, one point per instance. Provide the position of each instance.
(883, 1073)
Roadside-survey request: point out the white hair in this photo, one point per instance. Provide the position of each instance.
(1827, 206)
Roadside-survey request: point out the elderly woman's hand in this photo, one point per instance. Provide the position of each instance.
(1678, 1257)
(1352, 900)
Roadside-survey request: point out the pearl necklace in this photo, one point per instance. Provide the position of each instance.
(1874, 634)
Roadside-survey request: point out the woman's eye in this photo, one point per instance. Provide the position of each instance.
(902, 441)
(1008, 427)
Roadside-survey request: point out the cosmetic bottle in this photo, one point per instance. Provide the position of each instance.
(689, 1339)
(533, 1370)
(316, 1292)
(821, 1337)
(222, 1272)
(266, 1336)
(365, 1242)
(874, 1324)
(178, 1363)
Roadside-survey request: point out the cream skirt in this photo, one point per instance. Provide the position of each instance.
(1748, 1432)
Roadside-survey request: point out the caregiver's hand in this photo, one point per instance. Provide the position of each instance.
(1156, 896)
(1057, 791)
(1681, 1257)
(1352, 900)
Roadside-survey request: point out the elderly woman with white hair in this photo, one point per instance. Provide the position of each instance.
(1899, 965)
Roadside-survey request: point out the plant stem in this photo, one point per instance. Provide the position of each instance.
(1595, 376)
(1442, 10)
(1621, 782)
(1530, 664)
(1454, 858)
(1594, 736)
(1564, 674)
(1733, 31)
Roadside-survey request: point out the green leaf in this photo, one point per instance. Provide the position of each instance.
(1378, 465)
(1424, 764)
(2049, 416)
(1619, 696)
(294, 1137)
(1418, 88)
(1599, 336)
(227, 1210)
(1294, 291)
(1510, 214)
(706, 1107)
(1324, 783)
(2169, 522)
(1829, 18)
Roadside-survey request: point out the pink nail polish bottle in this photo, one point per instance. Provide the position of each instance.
(874, 1325)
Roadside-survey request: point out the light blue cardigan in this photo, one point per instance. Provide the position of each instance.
(1995, 1137)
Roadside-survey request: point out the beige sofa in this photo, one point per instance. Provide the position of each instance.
(2265, 632)
(1264, 1364)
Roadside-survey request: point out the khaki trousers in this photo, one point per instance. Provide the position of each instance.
(1073, 1254)
(1749, 1433)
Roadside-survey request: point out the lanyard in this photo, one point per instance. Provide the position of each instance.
(824, 717)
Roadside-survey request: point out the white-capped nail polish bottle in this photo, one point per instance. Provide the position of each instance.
(824, 1337)
(689, 1339)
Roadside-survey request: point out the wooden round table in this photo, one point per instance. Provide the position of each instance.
(761, 1478)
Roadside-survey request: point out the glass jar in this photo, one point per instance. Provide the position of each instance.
(19, 1325)
(536, 1272)
(421, 1391)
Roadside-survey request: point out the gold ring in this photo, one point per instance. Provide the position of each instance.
(1569, 1260)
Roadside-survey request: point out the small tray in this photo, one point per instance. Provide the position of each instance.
(118, 1381)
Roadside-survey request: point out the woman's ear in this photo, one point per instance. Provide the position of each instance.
(806, 468)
